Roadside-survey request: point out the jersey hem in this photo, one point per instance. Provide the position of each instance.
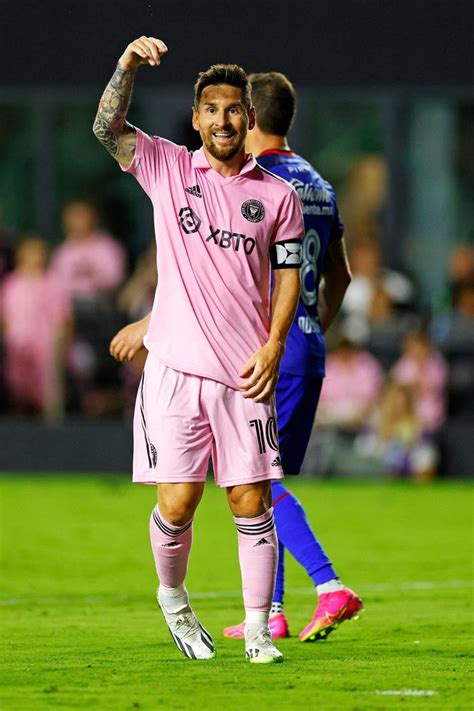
(251, 479)
(193, 372)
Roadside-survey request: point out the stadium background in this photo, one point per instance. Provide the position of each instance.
(386, 113)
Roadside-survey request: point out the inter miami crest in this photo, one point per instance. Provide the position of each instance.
(189, 220)
(253, 210)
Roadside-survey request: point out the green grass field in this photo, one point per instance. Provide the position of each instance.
(81, 628)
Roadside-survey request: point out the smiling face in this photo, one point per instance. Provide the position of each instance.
(223, 120)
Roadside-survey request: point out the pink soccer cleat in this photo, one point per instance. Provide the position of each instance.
(333, 608)
(278, 625)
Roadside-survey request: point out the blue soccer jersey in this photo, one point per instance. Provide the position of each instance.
(305, 347)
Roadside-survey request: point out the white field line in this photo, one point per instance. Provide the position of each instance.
(222, 594)
(405, 692)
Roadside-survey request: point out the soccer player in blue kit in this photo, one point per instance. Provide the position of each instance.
(325, 276)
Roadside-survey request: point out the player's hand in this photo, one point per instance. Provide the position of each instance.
(261, 371)
(144, 50)
(128, 341)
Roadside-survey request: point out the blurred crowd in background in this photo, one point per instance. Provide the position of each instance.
(395, 369)
(400, 368)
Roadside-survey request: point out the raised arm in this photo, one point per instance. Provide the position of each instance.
(336, 279)
(110, 126)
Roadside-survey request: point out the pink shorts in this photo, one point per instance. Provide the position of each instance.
(182, 420)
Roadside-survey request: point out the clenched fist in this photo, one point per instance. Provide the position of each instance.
(144, 50)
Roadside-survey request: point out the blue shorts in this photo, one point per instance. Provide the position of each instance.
(297, 398)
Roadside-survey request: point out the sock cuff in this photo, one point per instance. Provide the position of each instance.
(257, 525)
(167, 528)
(256, 618)
(166, 591)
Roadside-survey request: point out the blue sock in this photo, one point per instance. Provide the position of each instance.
(280, 576)
(295, 534)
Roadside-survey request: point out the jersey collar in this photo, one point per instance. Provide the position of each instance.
(277, 151)
(199, 160)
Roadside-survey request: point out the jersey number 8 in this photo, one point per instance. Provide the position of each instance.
(309, 268)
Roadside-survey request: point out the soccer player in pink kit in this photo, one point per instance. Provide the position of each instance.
(35, 314)
(214, 349)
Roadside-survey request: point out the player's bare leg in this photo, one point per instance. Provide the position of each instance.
(171, 538)
(258, 557)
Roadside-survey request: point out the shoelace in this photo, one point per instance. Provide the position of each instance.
(188, 621)
(263, 637)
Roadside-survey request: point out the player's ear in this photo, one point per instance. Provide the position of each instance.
(252, 118)
(195, 120)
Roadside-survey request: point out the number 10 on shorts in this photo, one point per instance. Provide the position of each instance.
(266, 434)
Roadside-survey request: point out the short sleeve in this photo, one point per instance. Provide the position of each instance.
(290, 219)
(285, 245)
(153, 160)
(337, 227)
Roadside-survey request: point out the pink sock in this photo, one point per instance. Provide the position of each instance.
(258, 556)
(170, 545)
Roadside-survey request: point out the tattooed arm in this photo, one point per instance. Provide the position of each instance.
(336, 279)
(110, 126)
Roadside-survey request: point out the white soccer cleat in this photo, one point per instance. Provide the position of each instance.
(259, 648)
(189, 635)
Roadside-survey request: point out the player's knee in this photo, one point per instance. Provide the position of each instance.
(251, 500)
(177, 505)
(177, 513)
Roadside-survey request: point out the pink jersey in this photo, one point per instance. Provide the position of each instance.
(212, 303)
(429, 381)
(88, 267)
(31, 308)
(350, 387)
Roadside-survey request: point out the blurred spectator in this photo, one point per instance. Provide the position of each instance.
(461, 269)
(368, 277)
(453, 332)
(363, 198)
(395, 439)
(351, 387)
(90, 262)
(387, 327)
(136, 296)
(35, 314)
(424, 369)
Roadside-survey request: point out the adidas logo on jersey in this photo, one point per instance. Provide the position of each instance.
(194, 190)
(276, 462)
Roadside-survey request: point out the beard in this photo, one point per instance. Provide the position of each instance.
(223, 153)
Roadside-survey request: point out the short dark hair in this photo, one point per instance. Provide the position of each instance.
(230, 74)
(274, 98)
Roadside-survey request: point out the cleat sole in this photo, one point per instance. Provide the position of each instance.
(265, 660)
